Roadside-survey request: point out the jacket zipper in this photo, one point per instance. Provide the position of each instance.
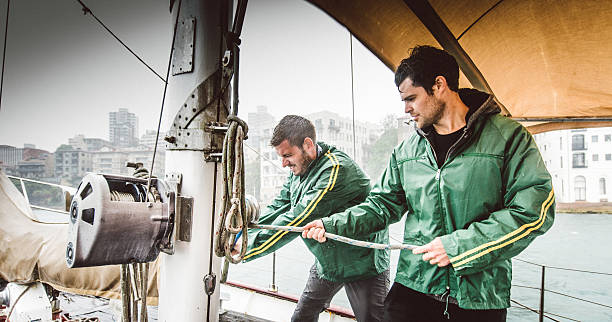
(447, 292)
(452, 148)
(463, 135)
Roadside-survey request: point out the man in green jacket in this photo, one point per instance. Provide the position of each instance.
(323, 181)
(475, 192)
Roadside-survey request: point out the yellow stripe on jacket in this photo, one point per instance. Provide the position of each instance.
(305, 213)
(534, 225)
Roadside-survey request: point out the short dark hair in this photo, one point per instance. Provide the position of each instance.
(295, 129)
(424, 64)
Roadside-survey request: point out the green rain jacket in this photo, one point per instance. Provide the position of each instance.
(488, 201)
(332, 184)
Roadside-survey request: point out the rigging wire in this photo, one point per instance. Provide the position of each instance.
(161, 110)
(8, 5)
(563, 268)
(142, 280)
(475, 21)
(563, 294)
(353, 96)
(86, 11)
(532, 310)
(265, 158)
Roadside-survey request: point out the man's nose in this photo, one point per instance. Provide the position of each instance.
(407, 107)
(285, 162)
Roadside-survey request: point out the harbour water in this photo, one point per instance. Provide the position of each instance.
(576, 241)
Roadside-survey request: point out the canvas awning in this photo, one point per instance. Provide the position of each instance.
(544, 60)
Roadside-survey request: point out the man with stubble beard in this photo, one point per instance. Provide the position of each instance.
(323, 181)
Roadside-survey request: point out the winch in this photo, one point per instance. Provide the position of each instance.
(117, 220)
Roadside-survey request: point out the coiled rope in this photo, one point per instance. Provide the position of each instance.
(234, 217)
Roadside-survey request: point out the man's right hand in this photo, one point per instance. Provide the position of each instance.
(315, 230)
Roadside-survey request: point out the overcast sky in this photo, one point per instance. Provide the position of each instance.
(64, 73)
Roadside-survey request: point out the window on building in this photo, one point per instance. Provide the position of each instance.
(602, 186)
(578, 161)
(594, 138)
(608, 156)
(560, 143)
(595, 157)
(580, 188)
(578, 142)
(561, 162)
(608, 137)
(562, 188)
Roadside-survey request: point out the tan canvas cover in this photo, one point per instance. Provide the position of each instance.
(31, 251)
(541, 58)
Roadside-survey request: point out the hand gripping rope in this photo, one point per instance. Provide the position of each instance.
(339, 238)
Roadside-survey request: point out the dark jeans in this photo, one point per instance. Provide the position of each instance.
(366, 296)
(407, 305)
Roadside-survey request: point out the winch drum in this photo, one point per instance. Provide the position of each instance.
(113, 220)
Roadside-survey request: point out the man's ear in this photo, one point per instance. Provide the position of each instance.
(440, 84)
(308, 144)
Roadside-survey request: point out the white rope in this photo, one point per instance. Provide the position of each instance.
(339, 238)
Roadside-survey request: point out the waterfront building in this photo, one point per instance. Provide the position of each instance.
(88, 144)
(148, 140)
(580, 162)
(113, 161)
(27, 162)
(265, 172)
(338, 130)
(123, 128)
(71, 164)
(10, 156)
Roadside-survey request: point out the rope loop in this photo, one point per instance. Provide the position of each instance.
(233, 219)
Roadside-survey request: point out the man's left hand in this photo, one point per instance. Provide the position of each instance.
(434, 253)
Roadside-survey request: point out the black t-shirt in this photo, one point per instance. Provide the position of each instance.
(442, 143)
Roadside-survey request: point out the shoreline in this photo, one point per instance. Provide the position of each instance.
(604, 208)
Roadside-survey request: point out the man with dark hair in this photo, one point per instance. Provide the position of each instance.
(323, 181)
(474, 190)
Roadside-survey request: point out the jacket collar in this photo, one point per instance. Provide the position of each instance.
(322, 148)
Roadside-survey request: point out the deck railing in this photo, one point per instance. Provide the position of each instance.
(544, 269)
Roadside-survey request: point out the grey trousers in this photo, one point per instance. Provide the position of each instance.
(367, 297)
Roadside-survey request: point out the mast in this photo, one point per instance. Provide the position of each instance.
(196, 100)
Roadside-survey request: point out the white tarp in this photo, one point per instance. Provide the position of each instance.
(34, 251)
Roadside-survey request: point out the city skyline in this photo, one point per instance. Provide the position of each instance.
(72, 72)
(145, 132)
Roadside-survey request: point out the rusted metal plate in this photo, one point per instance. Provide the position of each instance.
(182, 59)
(184, 218)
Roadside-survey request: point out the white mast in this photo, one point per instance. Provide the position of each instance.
(195, 82)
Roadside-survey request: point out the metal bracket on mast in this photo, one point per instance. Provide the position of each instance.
(195, 126)
(210, 283)
(184, 214)
(174, 180)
